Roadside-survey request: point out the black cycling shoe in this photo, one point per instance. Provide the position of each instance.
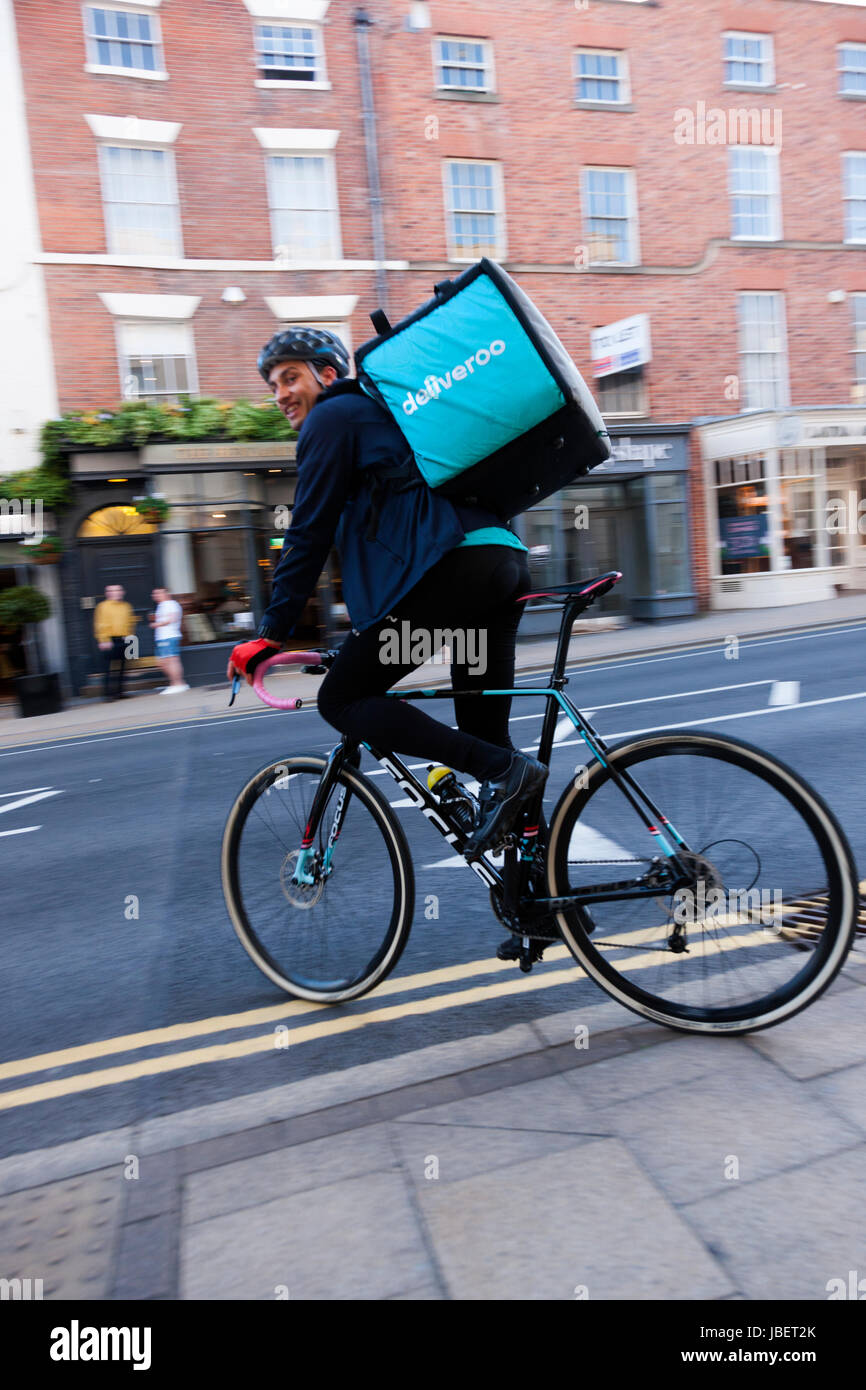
(513, 949)
(501, 799)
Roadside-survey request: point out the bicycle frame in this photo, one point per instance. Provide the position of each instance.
(520, 852)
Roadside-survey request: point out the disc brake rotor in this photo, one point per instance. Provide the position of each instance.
(300, 895)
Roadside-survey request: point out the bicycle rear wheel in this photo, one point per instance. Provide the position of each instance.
(337, 937)
(771, 907)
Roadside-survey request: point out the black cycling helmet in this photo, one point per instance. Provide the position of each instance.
(314, 345)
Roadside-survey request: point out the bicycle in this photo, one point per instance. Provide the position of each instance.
(707, 928)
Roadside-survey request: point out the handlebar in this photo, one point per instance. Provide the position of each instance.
(280, 659)
(311, 663)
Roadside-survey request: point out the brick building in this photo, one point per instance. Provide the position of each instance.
(680, 188)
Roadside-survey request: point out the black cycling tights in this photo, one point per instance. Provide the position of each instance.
(473, 589)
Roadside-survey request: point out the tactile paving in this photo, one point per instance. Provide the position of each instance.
(64, 1234)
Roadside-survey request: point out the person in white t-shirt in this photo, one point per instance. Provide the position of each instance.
(165, 622)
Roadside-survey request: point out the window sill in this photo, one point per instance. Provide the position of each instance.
(101, 71)
(768, 87)
(629, 417)
(603, 105)
(853, 96)
(446, 94)
(294, 86)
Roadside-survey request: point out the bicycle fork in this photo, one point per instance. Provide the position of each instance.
(345, 752)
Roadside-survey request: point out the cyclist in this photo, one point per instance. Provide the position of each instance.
(407, 555)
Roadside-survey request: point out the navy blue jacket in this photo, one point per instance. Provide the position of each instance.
(345, 435)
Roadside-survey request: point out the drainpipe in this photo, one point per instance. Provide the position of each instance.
(362, 22)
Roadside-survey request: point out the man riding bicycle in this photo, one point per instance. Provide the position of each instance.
(408, 555)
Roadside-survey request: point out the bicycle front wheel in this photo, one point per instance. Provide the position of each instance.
(337, 932)
(770, 909)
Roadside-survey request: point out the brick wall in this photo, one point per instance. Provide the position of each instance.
(689, 275)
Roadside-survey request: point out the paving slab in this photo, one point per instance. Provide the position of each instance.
(300, 1168)
(750, 1119)
(546, 1104)
(788, 1235)
(828, 1035)
(845, 1093)
(451, 1153)
(680, 1059)
(582, 1223)
(355, 1239)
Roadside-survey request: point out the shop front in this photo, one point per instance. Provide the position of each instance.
(230, 506)
(786, 505)
(216, 551)
(631, 514)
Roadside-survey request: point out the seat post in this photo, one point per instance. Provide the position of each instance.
(569, 611)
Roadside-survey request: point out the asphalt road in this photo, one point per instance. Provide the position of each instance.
(110, 1017)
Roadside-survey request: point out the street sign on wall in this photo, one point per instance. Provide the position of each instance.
(621, 345)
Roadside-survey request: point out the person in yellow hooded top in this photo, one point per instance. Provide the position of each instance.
(113, 621)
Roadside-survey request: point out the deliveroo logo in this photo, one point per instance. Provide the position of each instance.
(435, 385)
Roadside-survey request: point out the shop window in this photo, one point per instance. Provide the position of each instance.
(743, 516)
(666, 494)
(538, 532)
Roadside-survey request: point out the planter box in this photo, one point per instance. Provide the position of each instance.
(38, 694)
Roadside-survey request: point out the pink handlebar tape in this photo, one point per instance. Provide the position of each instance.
(282, 659)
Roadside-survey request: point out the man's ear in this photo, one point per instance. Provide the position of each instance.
(328, 375)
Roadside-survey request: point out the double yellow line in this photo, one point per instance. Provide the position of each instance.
(645, 956)
(265, 1042)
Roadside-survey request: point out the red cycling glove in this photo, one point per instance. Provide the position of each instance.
(246, 656)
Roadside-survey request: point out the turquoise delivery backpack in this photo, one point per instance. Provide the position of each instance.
(491, 404)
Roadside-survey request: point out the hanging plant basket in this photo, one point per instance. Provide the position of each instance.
(45, 552)
(152, 509)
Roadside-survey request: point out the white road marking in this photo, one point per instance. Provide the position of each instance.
(25, 791)
(706, 649)
(715, 719)
(25, 829)
(143, 733)
(785, 693)
(588, 844)
(27, 800)
(653, 699)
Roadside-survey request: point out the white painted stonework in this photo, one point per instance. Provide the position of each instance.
(28, 392)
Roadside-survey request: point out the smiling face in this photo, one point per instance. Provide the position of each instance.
(296, 389)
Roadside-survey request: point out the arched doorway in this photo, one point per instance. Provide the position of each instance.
(115, 546)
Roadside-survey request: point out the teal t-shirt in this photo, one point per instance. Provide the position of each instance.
(492, 535)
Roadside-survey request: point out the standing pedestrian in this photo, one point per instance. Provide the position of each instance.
(114, 621)
(165, 622)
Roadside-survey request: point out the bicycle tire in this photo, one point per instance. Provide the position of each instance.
(384, 957)
(834, 940)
